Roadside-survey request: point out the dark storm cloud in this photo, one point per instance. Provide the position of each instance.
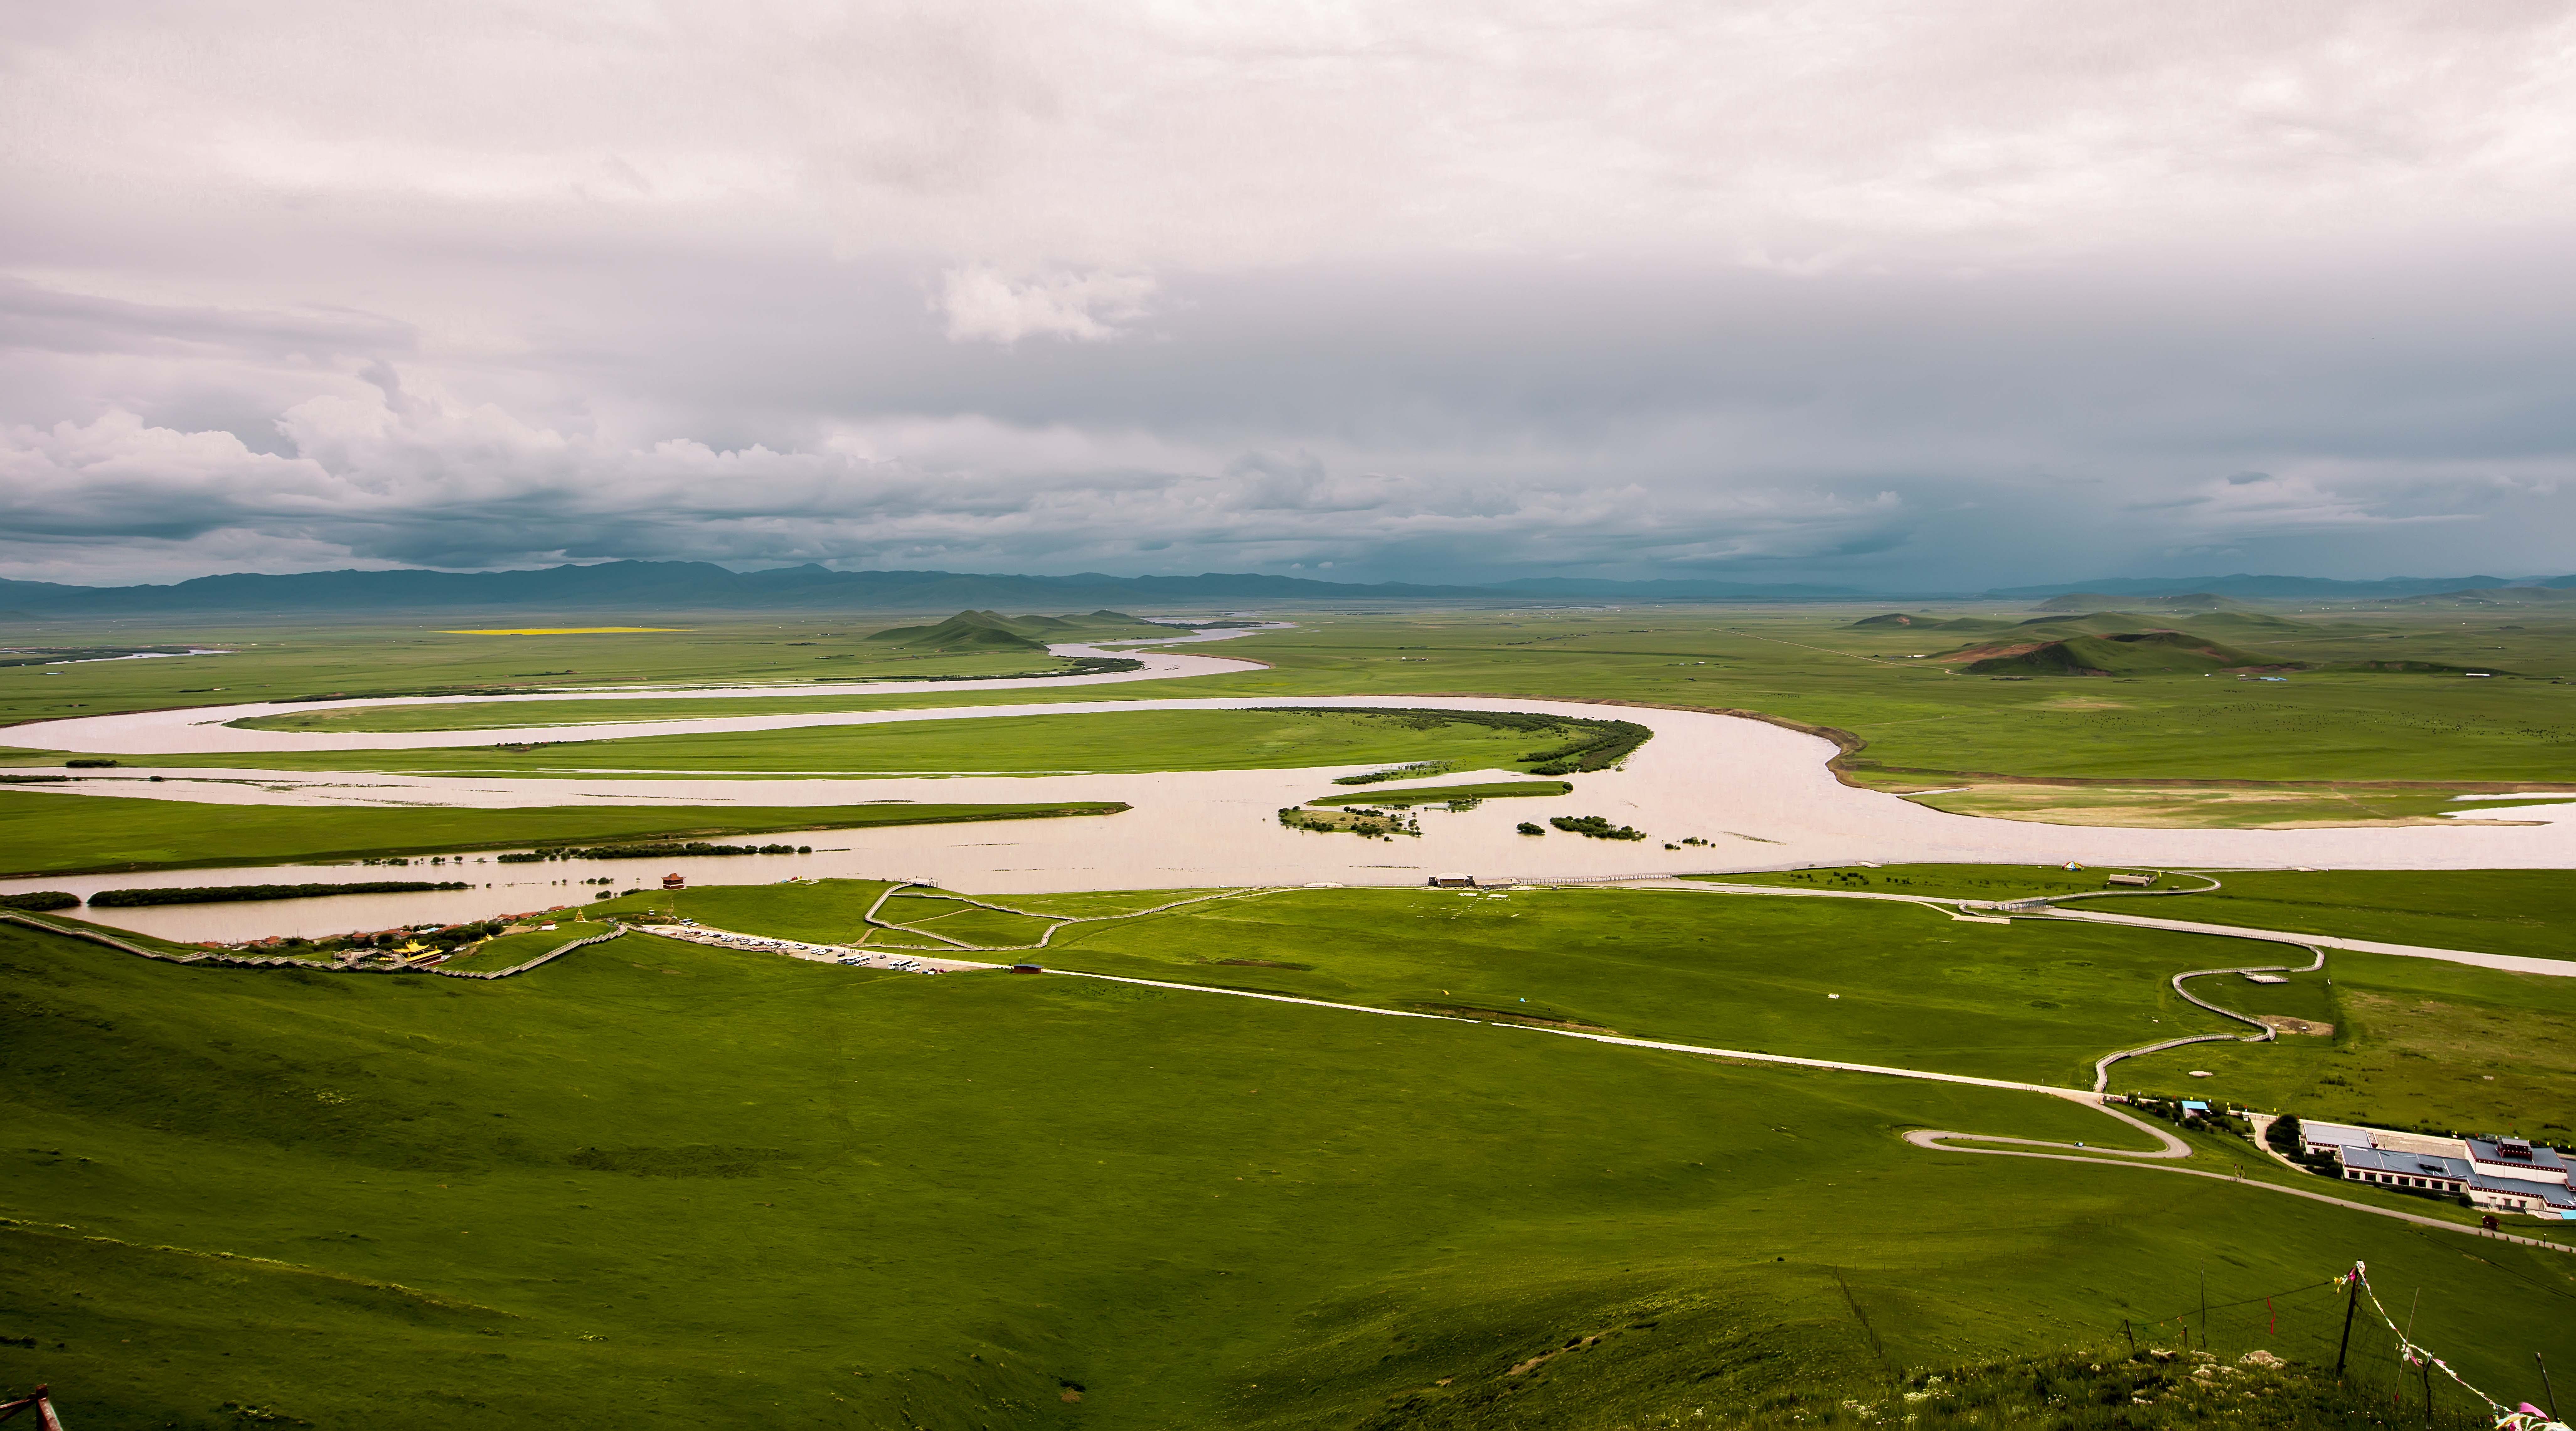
(1886, 295)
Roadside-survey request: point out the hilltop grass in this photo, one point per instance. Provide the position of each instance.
(2531, 913)
(71, 834)
(972, 1200)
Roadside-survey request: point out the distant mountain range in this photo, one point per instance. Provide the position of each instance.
(661, 586)
(704, 586)
(2276, 587)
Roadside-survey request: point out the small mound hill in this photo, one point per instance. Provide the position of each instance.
(2238, 624)
(965, 631)
(1925, 621)
(2123, 653)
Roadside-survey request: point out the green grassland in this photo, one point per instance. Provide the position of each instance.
(2275, 806)
(658, 1184)
(1921, 721)
(1115, 741)
(69, 834)
(283, 659)
(2523, 912)
(2028, 1001)
(828, 911)
(510, 950)
(986, 928)
(1443, 794)
(2417, 1042)
(1102, 905)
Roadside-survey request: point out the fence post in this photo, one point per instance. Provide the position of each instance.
(2351, 1303)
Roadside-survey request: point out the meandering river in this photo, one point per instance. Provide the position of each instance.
(1759, 795)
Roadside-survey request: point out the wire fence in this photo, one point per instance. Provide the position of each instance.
(2325, 1324)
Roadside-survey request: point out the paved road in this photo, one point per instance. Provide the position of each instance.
(2509, 963)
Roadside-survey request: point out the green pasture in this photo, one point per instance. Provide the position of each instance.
(2417, 1042)
(654, 1183)
(1101, 905)
(520, 713)
(987, 928)
(827, 911)
(275, 659)
(2028, 1001)
(1443, 794)
(511, 950)
(2523, 912)
(1104, 742)
(70, 834)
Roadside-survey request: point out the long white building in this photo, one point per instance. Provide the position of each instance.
(2501, 1174)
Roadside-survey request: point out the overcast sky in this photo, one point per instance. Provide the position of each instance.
(1900, 295)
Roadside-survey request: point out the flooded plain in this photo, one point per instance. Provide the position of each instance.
(1745, 794)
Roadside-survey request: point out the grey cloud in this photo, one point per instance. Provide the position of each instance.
(2041, 293)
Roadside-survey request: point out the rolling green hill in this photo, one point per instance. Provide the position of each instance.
(2125, 653)
(965, 631)
(1925, 621)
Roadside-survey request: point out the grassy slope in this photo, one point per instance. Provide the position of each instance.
(1053, 744)
(2524, 912)
(62, 834)
(941, 1201)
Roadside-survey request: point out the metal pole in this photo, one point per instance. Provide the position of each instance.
(2550, 1391)
(2427, 1364)
(2204, 1305)
(2351, 1304)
